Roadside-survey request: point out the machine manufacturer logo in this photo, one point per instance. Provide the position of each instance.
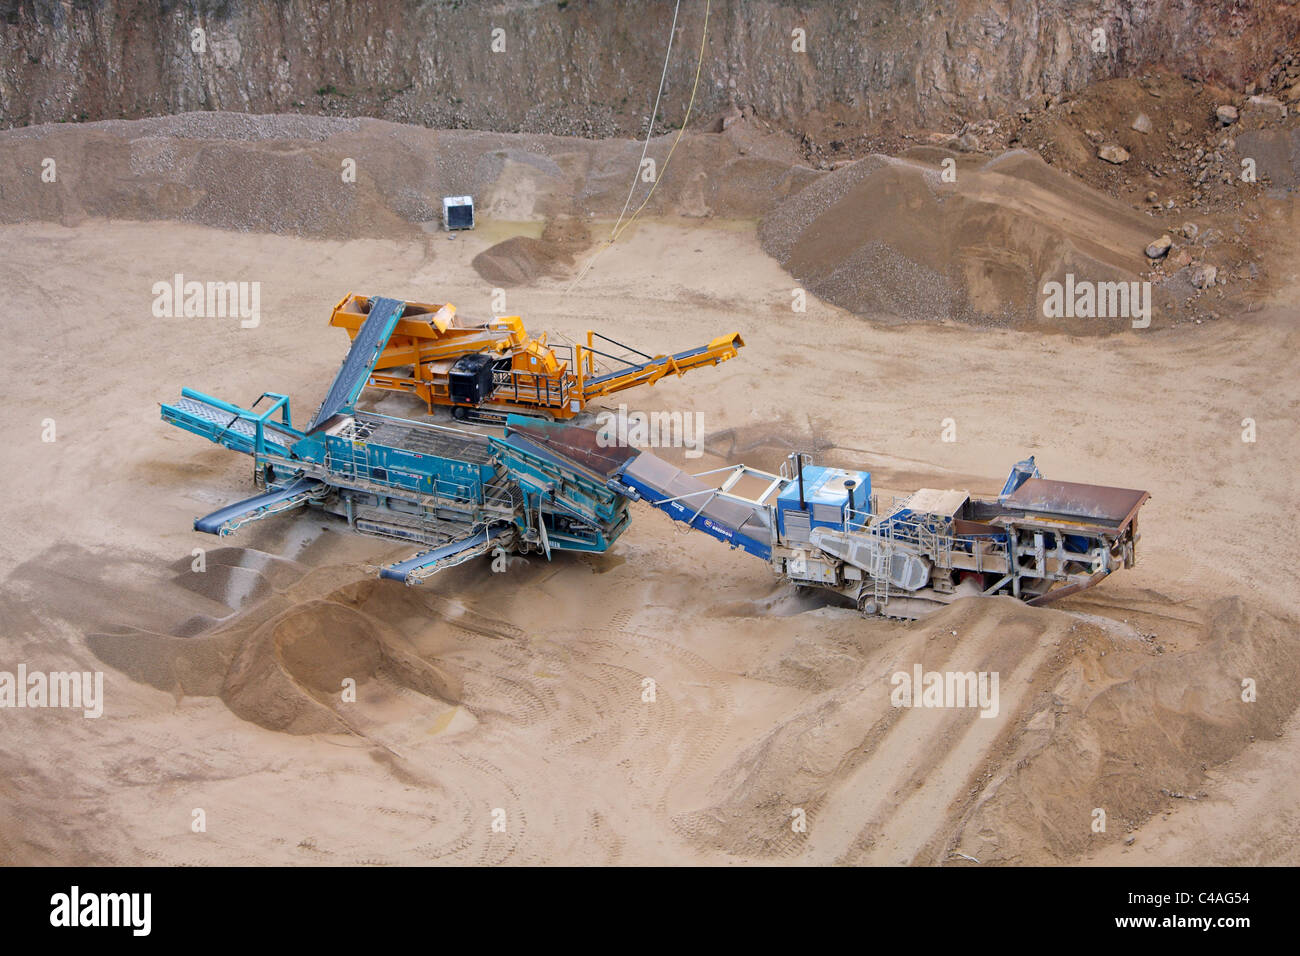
(946, 689)
(623, 429)
(208, 300)
(1085, 299)
(83, 690)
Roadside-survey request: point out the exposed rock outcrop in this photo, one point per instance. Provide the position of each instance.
(590, 68)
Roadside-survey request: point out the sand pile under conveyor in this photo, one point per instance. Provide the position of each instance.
(294, 654)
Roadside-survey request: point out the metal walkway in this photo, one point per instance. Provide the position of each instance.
(219, 425)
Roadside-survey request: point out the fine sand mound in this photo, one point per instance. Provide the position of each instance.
(889, 236)
(323, 667)
(521, 260)
(1089, 716)
(1127, 733)
(518, 261)
(282, 661)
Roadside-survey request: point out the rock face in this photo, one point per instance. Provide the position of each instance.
(590, 68)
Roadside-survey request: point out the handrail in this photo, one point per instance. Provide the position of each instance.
(281, 404)
(359, 468)
(551, 392)
(591, 334)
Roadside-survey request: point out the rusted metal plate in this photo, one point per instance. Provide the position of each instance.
(1113, 507)
(962, 526)
(582, 446)
(1075, 588)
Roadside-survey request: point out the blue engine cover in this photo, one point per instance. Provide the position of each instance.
(828, 498)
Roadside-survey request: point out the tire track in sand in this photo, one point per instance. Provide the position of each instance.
(896, 801)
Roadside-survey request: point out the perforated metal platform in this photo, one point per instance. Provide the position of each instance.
(224, 421)
(427, 440)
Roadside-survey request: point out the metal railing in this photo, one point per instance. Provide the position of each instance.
(531, 387)
(356, 467)
(258, 420)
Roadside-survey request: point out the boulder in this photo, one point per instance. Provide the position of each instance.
(1226, 115)
(1113, 153)
(1267, 107)
(1159, 248)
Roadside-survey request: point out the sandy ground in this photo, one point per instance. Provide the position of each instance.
(523, 692)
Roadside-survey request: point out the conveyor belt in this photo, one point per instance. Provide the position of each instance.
(566, 445)
(225, 520)
(644, 366)
(360, 361)
(420, 566)
(686, 499)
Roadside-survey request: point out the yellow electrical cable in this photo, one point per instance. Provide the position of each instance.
(699, 65)
(654, 111)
